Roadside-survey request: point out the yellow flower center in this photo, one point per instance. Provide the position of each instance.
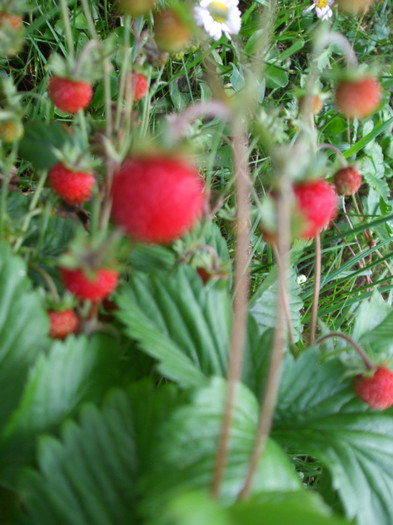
(322, 3)
(219, 11)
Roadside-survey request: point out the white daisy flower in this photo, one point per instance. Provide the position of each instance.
(218, 17)
(322, 8)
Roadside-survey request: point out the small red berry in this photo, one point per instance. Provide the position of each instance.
(72, 186)
(347, 181)
(69, 95)
(139, 86)
(62, 323)
(99, 287)
(358, 98)
(157, 199)
(317, 202)
(376, 390)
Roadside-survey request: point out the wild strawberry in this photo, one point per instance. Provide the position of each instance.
(376, 390)
(69, 95)
(157, 199)
(358, 98)
(96, 287)
(354, 7)
(72, 186)
(136, 7)
(62, 323)
(171, 31)
(11, 131)
(317, 202)
(347, 181)
(139, 86)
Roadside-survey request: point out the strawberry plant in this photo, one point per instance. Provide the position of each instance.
(195, 262)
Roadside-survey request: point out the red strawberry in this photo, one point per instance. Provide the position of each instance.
(62, 323)
(157, 199)
(139, 86)
(347, 181)
(69, 95)
(137, 7)
(353, 7)
(317, 202)
(97, 288)
(358, 98)
(377, 390)
(72, 186)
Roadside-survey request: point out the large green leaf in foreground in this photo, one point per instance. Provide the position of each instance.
(319, 415)
(23, 329)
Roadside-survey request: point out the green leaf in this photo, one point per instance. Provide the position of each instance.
(23, 329)
(90, 475)
(264, 301)
(180, 322)
(39, 140)
(362, 143)
(277, 508)
(152, 257)
(74, 371)
(187, 446)
(319, 415)
(276, 77)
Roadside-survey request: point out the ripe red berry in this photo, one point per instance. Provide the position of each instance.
(358, 98)
(317, 202)
(376, 390)
(97, 288)
(139, 86)
(72, 186)
(69, 95)
(347, 181)
(62, 323)
(157, 199)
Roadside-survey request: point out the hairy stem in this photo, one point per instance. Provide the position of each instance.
(273, 380)
(241, 291)
(326, 145)
(359, 349)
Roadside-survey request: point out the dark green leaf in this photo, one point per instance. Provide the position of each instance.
(23, 329)
(319, 415)
(74, 371)
(90, 475)
(186, 451)
(177, 320)
(39, 140)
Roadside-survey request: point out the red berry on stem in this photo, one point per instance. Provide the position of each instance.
(139, 86)
(69, 95)
(97, 288)
(62, 323)
(157, 199)
(347, 181)
(317, 202)
(72, 186)
(376, 390)
(358, 98)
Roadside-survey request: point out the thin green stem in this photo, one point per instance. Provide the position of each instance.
(8, 164)
(67, 29)
(317, 285)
